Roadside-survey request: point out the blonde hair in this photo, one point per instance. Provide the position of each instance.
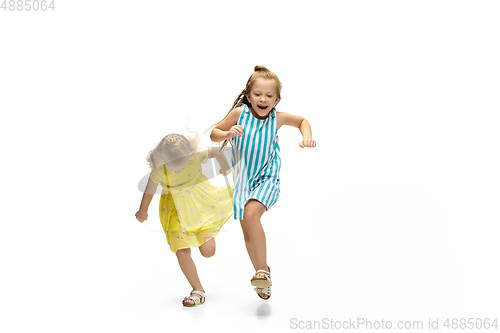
(260, 72)
(171, 148)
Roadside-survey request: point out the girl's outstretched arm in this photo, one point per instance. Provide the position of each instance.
(221, 159)
(301, 123)
(142, 213)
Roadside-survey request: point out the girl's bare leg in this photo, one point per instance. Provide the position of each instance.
(255, 238)
(248, 245)
(189, 269)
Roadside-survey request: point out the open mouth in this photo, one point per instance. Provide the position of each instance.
(262, 107)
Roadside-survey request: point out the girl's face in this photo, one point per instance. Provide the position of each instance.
(263, 96)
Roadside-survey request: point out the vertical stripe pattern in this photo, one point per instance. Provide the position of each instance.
(256, 162)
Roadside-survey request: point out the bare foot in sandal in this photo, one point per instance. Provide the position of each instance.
(262, 282)
(195, 298)
(262, 278)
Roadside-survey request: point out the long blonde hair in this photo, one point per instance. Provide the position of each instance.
(260, 72)
(171, 148)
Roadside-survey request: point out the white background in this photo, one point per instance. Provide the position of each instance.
(394, 215)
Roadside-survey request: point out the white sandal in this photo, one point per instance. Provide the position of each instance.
(262, 283)
(265, 291)
(197, 300)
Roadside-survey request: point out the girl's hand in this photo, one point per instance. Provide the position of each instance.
(310, 143)
(225, 172)
(236, 130)
(141, 216)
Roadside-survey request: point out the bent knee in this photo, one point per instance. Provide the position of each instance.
(208, 253)
(208, 249)
(253, 211)
(251, 217)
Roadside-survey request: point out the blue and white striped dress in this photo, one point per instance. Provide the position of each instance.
(256, 162)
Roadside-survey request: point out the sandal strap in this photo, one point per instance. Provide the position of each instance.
(201, 293)
(266, 291)
(196, 300)
(261, 271)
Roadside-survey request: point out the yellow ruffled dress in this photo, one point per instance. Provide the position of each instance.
(192, 211)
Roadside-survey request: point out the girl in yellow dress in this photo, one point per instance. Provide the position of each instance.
(192, 211)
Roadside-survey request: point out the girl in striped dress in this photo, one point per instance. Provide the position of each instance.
(252, 128)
